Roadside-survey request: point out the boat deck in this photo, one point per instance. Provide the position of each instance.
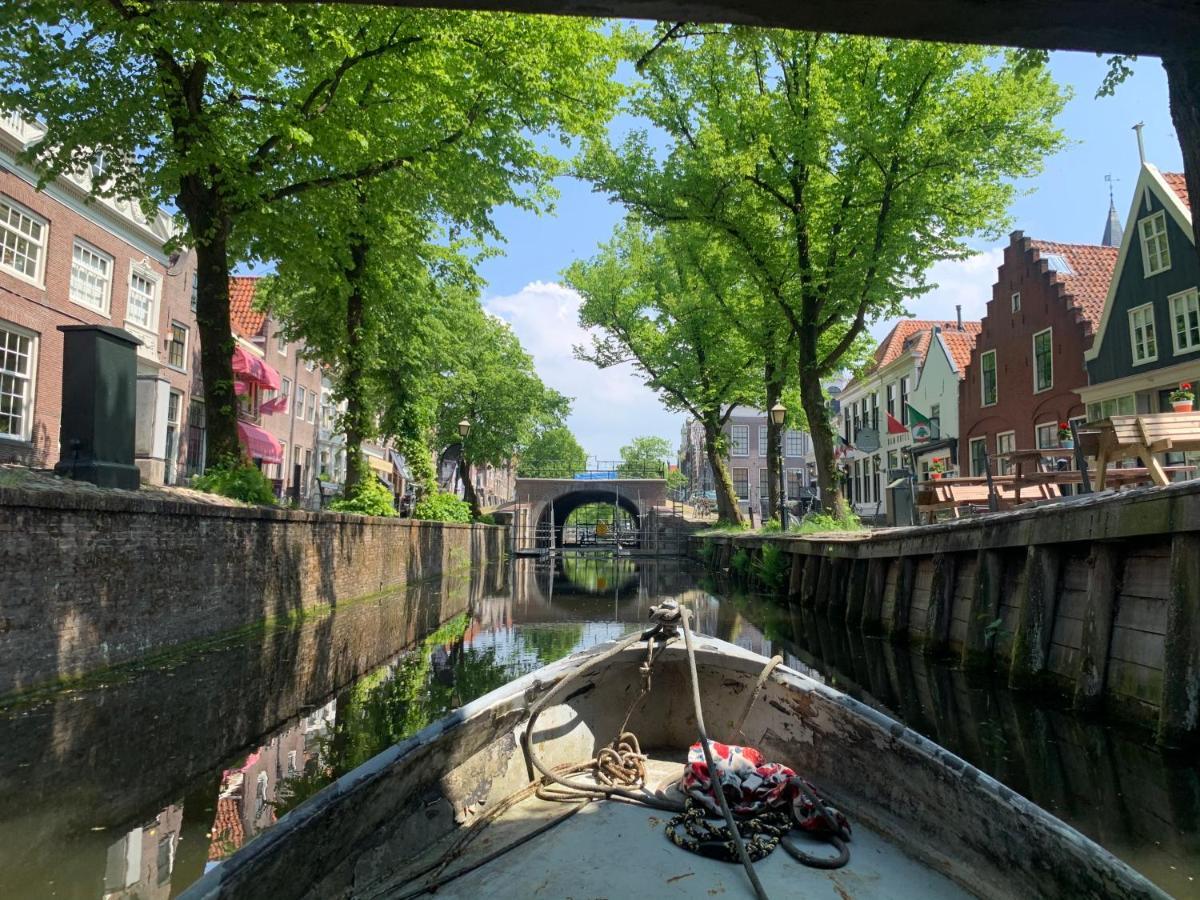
(613, 849)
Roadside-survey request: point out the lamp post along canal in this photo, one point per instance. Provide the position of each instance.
(778, 414)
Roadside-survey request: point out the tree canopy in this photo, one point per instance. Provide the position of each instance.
(645, 295)
(233, 112)
(834, 169)
(552, 452)
(495, 388)
(645, 457)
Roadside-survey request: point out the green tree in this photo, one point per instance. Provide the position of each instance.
(552, 452)
(644, 294)
(836, 170)
(495, 388)
(232, 112)
(644, 457)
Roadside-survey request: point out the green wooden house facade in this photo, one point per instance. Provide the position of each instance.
(1149, 336)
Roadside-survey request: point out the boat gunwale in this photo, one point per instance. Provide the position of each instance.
(523, 691)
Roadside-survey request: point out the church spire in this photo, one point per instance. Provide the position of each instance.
(1112, 228)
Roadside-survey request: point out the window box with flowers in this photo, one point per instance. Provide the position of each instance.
(1182, 398)
(1066, 440)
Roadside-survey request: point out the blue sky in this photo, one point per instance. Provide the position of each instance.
(1067, 202)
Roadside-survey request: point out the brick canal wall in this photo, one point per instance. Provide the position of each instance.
(1097, 598)
(92, 579)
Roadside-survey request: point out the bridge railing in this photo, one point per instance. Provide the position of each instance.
(592, 470)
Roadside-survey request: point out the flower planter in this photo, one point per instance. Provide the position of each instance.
(1182, 405)
(1066, 445)
(935, 475)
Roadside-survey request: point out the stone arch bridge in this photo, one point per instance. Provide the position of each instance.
(542, 506)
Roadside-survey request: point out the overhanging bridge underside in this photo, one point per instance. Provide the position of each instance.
(1148, 27)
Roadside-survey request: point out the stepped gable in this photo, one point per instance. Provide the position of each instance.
(1085, 286)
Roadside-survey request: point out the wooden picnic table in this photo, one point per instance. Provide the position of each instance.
(1034, 459)
(1140, 436)
(954, 494)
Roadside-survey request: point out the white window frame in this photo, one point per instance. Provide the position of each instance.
(1187, 346)
(281, 346)
(733, 441)
(1016, 301)
(793, 439)
(38, 278)
(983, 400)
(733, 470)
(105, 307)
(1053, 425)
(136, 270)
(1050, 386)
(971, 454)
(1160, 233)
(187, 340)
(763, 440)
(1148, 309)
(26, 432)
(1003, 466)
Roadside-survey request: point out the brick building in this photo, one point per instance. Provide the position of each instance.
(291, 413)
(68, 260)
(1028, 362)
(747, 436)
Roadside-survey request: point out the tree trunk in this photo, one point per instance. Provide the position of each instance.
(823, 440)
(774, 461)
(1183, 81)
(356, 421)
(464, 475)
(727, 504)
(216, 339)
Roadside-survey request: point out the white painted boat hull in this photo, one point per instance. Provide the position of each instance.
(926, 823)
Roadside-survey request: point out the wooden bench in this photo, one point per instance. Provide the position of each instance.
(1141, 436)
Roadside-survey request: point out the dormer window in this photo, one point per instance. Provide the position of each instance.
(1016, 301)
(1156, 255)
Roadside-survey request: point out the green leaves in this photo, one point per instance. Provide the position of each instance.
(830, 172)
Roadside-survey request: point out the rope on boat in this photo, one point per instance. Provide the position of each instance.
(747, 863)
(619, 767)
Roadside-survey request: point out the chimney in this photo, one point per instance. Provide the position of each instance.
(958, 309)
(1141, 145)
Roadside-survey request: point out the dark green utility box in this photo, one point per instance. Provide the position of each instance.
(99, 400)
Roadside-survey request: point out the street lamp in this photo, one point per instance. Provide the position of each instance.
(464, 428)
(778, 414)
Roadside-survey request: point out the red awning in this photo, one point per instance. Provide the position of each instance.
(251, 368)
(259, 444)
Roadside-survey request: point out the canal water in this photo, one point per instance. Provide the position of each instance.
(133, 786)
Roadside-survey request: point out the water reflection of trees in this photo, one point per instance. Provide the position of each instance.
(597, 574)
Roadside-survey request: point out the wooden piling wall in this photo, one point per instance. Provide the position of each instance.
(1097, 598)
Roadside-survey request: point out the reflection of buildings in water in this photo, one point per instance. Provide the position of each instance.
(139, 865)
(249, 794)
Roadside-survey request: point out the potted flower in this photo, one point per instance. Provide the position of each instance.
(1066, 440)
(1182, 397)
(936, 468)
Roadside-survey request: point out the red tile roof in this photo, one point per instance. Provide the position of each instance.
(245, 320)
(916, 334)
(960, 344)
(1176, 182)
(1093, 268)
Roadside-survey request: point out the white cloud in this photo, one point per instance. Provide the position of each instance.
(968, 281)
(610, 405)
(613, 405)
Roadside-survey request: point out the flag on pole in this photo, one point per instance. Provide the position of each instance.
(919, 424)
(894, 426)
(843, 447)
